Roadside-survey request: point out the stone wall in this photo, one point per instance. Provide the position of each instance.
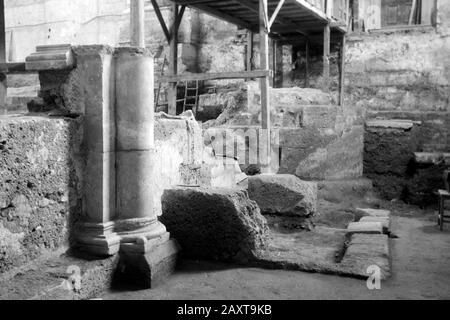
(41, 166)
(405, 75)
(40, 189)
(311, 137)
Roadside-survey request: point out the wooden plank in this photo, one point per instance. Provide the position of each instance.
(137, 23)
(287, 23)
(13, 67)
(342, 71)
(265, 99)
(326, 58)
(413, 9)
(214, 76)
(307, 48)
(2, 32)
(161, 20)
(173, 62)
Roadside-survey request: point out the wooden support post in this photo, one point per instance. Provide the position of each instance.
(249, 58)
(342, 71)
(326, 58)
(265, 150)
(3, 83)
(137, 23)
(173, 61)
(307, 63)
(278, 64)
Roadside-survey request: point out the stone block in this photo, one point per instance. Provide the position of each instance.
(340, 158)
(284, 195)
(51, 57)
(367, 250)
(365, 228)
(215, 224)
(385, 222)
(319, 116)
(150, 269)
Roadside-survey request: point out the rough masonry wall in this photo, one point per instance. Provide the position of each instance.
(405, 75)
(40, 186)
(41, 166)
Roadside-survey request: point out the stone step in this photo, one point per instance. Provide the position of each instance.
(366, 253)
(385, 221)
(365, 228)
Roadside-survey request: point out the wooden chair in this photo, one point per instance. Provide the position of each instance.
(444, 195)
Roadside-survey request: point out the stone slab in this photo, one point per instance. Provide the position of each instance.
(374, 212)
(62, 277)
(386, 223)
(319, 251)
(390, 124)
(365, 228)
(365, 251)
(50, 57)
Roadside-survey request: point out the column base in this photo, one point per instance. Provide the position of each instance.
(98, 239)
(148, 263)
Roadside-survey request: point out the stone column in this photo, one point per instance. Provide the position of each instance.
(145, 244)
(95, 84)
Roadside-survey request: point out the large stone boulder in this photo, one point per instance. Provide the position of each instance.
(215, 224)
(283, 195)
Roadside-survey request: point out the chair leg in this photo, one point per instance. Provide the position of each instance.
(441, 213)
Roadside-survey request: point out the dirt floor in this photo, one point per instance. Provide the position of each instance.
(420, 266)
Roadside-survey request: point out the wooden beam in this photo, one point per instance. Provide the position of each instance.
(214, 76)
(413, 9)
(307, 48)
(265, 98)
(3, 78)
(161, 20)
(342, 71)
(173, 62)
(137, 23)
(249, 58)
(179, 17)
(284, 21)
(275, 13)
(277, 64)
(326, 58)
